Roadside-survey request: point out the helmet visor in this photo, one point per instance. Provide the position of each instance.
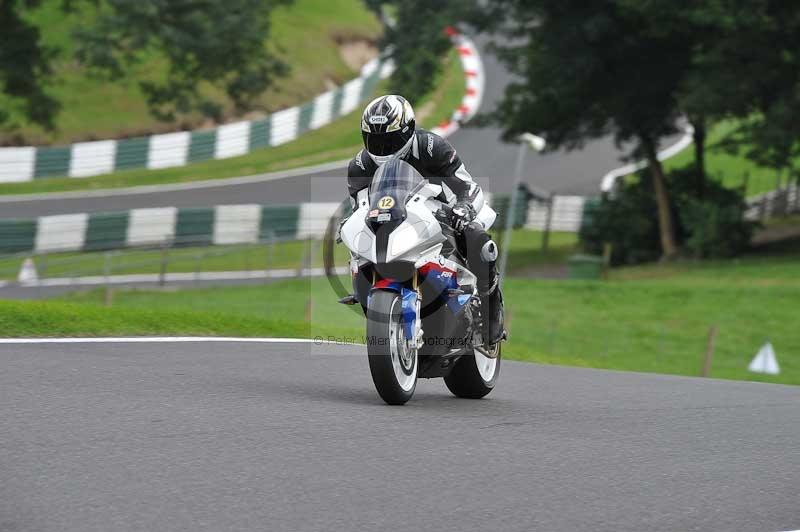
(384, 143)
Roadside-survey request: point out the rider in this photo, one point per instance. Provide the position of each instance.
(389, 130)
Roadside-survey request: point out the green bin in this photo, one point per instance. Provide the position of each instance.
(585, 267)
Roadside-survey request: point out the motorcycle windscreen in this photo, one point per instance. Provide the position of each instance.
(393, 183)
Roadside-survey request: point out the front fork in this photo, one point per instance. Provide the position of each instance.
(411, 299)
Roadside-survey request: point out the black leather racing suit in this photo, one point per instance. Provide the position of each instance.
(431, 155)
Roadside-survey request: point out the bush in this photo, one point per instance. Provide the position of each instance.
(715, 230)
(500, 203)
(712, 216)
(627, 221)
(709, 220)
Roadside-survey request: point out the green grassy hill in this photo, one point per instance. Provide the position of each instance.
(306, 33)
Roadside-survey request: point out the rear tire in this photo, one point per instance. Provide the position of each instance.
(474, 375)
(392, 363)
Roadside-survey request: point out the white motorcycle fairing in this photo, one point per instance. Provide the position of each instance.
(416, 240)
(418, 232)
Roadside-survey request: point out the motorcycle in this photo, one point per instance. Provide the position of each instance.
(420, 300)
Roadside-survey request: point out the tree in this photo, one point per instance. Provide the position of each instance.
(24, 65)
(416, 41)
(224, 43)
(698, 25)
(758, 54)
(632, 69)
(744, 66)
(590, 69)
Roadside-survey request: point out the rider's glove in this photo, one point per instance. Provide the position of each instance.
(463, 215)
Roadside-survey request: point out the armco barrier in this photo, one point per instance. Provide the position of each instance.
(779, 202)
(220, 225)
(86, 159)
(223, 224)
(566, 213)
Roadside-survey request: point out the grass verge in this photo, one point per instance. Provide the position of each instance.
(306, 34)
(524, 250)
(652, 319)
(32, 318)
(178, 260)
(334, 142)
(653, 326)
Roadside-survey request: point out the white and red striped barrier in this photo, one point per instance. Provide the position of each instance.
(474, 79)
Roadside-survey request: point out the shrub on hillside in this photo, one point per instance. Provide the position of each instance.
(627, 221)
(715, 230)
(711, 216)
(709, 220)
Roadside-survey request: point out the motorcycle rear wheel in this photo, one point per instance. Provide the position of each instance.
(392, 363)
(474, 375)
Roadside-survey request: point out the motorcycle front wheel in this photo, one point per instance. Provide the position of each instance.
(392, 362)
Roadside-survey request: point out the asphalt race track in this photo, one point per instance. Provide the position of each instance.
(226, 436)
(487, 158)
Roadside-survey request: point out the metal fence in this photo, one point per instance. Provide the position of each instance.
(164, 244)
(558, 213)
(780, 202)
(176, 261)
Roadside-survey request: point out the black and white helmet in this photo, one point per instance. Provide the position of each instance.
(387, 126)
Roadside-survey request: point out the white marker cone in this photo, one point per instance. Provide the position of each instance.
(27, 274)
(765, 361)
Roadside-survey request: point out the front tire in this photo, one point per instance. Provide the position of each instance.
(474, 375)
(392, 362)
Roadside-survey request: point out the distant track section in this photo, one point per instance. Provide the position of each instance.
(86, 159)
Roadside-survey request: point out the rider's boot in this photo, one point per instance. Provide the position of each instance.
(492, 310)
(482, 259)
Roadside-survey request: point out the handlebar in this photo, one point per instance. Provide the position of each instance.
(444, 214)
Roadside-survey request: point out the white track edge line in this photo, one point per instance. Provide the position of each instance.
(181, 277)
(157, 339)
(611, 177)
